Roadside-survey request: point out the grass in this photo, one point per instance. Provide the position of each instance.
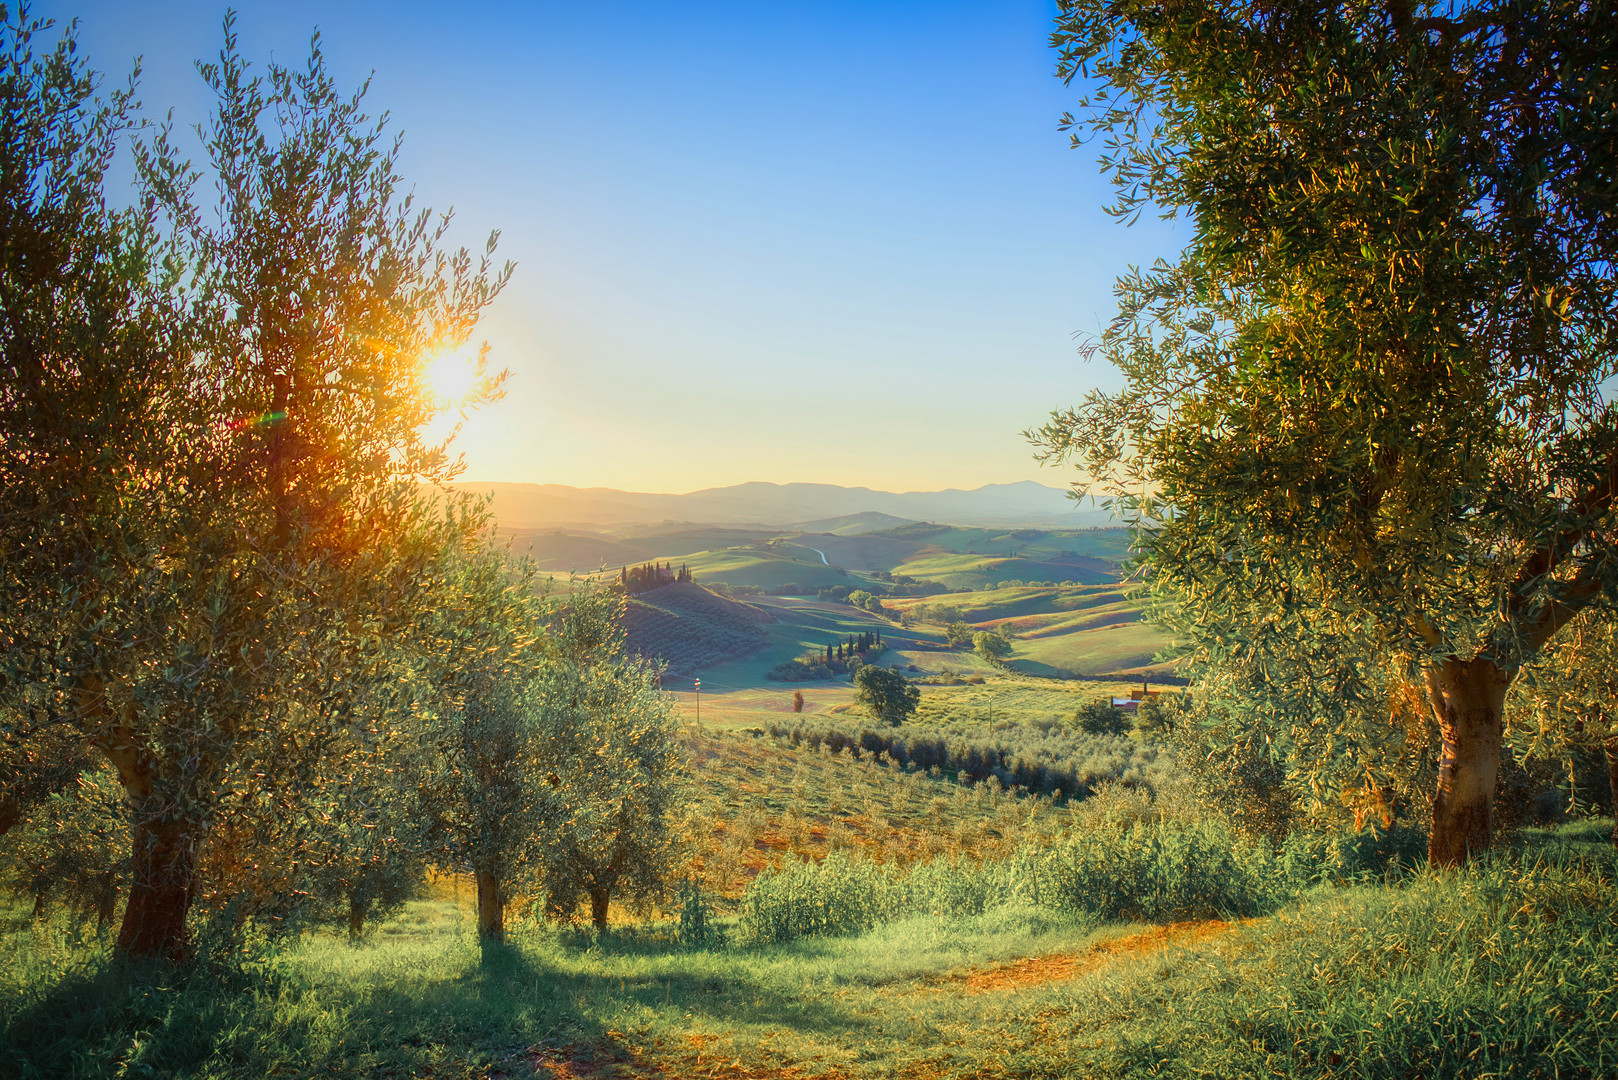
(1040, 544)
(769, 564)
(1509, 969)
(977, 571)
(802, 625)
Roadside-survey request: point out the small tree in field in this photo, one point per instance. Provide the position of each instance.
(1102, 718)
(480, 717)
(615, 785)
(887, 694)
(991, 645)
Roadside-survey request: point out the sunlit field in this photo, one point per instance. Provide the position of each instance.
(797, 576)
(1509, 968)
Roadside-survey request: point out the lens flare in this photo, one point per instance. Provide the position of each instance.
(453, 377)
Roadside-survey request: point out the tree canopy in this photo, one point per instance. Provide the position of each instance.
(1364, 427)
(887, 694)
(209, 441)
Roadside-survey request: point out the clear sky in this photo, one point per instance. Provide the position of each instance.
(838, 242)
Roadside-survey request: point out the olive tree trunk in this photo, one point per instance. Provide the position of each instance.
(356, 918)
(599, 898)
(162, 873)
(1468, 699)
(162, 865)
(491, 907)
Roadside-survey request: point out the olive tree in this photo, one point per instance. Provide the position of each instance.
(616, 782)
(1365, 404)
(209, 441)
(489, 751)
(1567, 703)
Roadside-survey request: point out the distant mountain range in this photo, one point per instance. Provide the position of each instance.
(526, 506)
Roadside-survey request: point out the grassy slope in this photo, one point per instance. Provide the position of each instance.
(760, 804)
(861, 552)
(802, 625)
(1052, 641)
(1508, 971)
(976, 571)
(1109, 544)
(768, 565)
(552, 549)
(1091, 630)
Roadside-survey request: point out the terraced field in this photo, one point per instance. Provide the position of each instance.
(691, 629)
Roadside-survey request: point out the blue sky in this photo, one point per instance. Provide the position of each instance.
(811, 241)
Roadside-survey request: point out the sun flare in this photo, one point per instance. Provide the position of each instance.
(452, 377)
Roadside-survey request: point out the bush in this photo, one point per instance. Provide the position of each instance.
(841, 895)
(1101, 718)
(1154, 872)
(799, 671)
(1163, 872)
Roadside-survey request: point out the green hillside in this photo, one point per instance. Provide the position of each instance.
(676, 541)
(976, 571)
(864, 552)
(552, 549)
(768, 565)
(983, 605)
(1062, 631)
(1041, 544)
(853, 524)
(690, 629)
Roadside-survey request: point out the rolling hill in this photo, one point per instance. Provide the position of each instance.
(691, 629)
(536, 506)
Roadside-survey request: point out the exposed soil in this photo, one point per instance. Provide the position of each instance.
(1037, 970)
(692, 1060)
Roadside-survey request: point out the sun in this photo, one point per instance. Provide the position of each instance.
(452, 377)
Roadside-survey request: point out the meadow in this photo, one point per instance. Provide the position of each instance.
(844, 915)
(1508, 968)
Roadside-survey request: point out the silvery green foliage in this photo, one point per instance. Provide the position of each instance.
(1048, 757)
(614, 784)
(1364, 430)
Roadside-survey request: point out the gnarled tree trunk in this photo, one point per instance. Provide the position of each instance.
(599, 898)
(491, 907)
(162, 868)
(1468, 697)
(162, 872)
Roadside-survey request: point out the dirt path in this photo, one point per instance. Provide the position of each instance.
(1036, 970)
(701, 1058)
(618, 1064)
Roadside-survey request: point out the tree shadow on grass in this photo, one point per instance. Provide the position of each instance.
(265, 1016)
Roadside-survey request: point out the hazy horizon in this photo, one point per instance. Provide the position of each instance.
(464, 482)
(845, 244)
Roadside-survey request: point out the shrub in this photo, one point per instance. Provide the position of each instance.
(1155, 872)
(1101, 718)
(841, 895)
